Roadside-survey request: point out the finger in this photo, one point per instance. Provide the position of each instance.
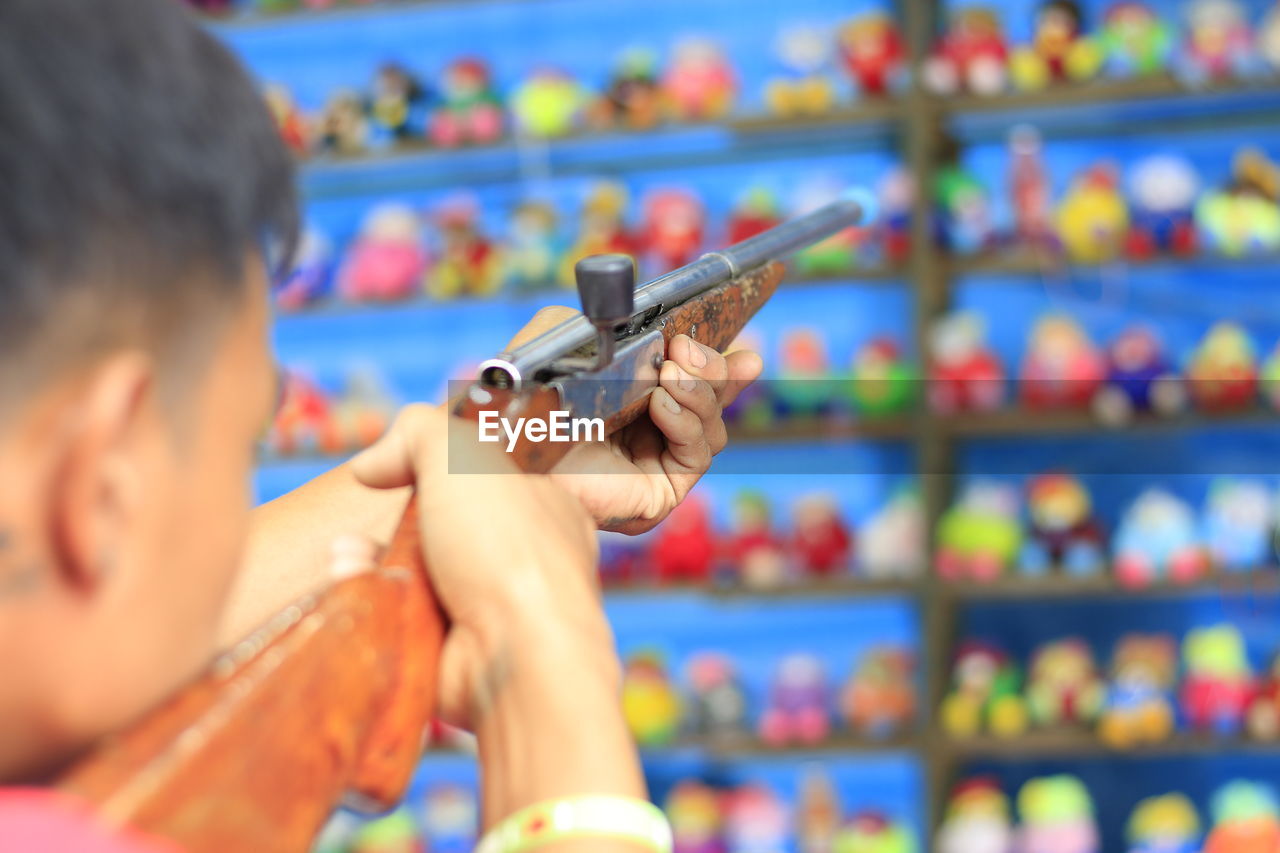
(745, 367)
(687, 455)
(697, 396)
(389, 462)
(545, 320)
(700, 360)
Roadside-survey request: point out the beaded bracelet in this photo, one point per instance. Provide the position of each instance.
(572, 818)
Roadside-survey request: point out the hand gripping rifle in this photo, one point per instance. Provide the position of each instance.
(330, 701)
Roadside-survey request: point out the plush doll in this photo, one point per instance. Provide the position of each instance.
(1243, 218)
(756, 820)
(696, 815)
(1057, 817)
(471, 111)
(837, 254)
(1269, 38)
(1093, 219)
(1029, 189)
(1246, 819)
(1060, 50)
(896, 194)
(1062, 367)
(532, 256)
(468, 264)
(364, 410)
(633, 98)
(602, 228)
(303, 421)
(804, 86)
(1262, 719)
(872, 52)
(1139, 379)
(891, 542)
(344, 128)
(1222, 373)
(1218, 44)
(798, 707)
(549, 104)
(1139, 702)
(650, 703)
(1062, 531)
(879, 699)
(717, 703)
(1158, 539)
(450, 818)
(1218, 681)
(804, 388)
(1063, 685)
(683, 548)
(964, 375)
(984, 694)
(821, 543)
(397, 105)
(970, 56)
(396, 832)
(964, 222)
(1164, 824)
(699, 84)
(979, 537)
(290, 121)
(1163, 190)
(755, 213)
(309, 280)
(753, 549)
(1238, 524)
(874, 832)
(882, 383)
(674, 228)
(977, 819)
(817, 812)
(387, 259)
(1135, 41)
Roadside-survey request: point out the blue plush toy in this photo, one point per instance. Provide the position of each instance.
(1238, 524)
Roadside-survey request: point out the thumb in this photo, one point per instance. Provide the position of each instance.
(393, 460)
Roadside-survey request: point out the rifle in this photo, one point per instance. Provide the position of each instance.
(329, 702)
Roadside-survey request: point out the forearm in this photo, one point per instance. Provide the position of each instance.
(555, 729)
(287, 552)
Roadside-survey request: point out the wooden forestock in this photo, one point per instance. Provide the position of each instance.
(332, 699)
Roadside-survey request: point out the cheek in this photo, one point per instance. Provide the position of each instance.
(200, 521)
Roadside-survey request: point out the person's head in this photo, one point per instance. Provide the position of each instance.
(141, 179)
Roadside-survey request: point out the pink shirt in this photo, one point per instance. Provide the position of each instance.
(40, 820)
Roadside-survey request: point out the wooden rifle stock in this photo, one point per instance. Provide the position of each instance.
(329, 702)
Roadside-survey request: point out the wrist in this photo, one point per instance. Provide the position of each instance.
(551, 724)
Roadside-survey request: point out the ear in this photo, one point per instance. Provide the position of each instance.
(97, 491)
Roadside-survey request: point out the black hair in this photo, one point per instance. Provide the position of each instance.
(139, 166)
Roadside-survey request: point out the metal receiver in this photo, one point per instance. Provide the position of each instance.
(609, 339)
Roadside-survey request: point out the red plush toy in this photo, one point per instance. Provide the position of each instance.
(872, 51)
(684, 546)
(753, 549)
(1062, 369)
(821, 542)
(971, 55)
(674, 222)
(963, 374)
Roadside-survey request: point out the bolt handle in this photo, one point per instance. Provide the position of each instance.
(607, 288)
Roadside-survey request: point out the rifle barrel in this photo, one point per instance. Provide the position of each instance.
(680, 285)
